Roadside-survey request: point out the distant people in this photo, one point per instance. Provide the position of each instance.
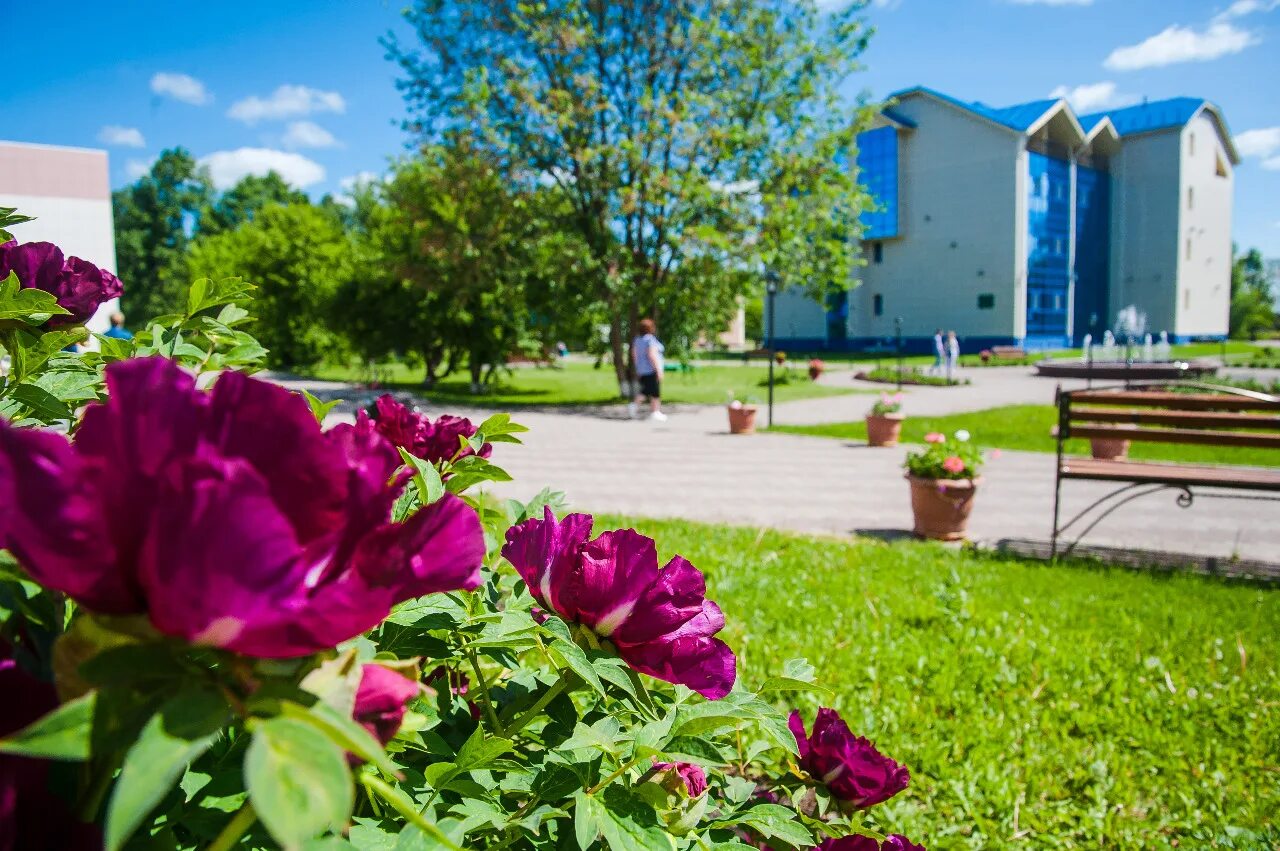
(117, 329)
(646, 357)
(953, 354)
(939, 352)
(562, 349)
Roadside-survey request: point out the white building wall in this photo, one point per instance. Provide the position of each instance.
(1203, 303)
(797, 315)
(68, 191)
(962, 222)
(1144, 228)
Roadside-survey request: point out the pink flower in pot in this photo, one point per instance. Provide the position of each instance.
(935, 437)
(953, 464)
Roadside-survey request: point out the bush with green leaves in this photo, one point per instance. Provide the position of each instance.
(226, 626)
(945, 456)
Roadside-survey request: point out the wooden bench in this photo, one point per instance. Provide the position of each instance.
(1008, 352)
(1188, 414)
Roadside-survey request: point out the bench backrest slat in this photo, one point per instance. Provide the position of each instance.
(1174, 401)
(1181, 419)
(1179, 435)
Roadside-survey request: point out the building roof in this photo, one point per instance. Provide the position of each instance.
(1125, 121)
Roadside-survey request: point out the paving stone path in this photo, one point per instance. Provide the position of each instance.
(691, 467)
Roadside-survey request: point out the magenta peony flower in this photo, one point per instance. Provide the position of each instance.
(660, 621)
(850, 766)
(898, 842)
(693, 778)
(953, 464)
(935, 437)
(78, 285)
(853, 842)
(381, 700)
(418, 435)
(228, 517)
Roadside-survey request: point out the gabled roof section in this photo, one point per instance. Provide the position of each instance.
(1163, 115)
(1021, 117)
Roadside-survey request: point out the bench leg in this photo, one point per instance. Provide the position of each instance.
(1057, 507)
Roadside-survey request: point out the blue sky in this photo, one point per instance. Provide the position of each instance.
(305, 87)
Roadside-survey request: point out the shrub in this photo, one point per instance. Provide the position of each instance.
(945, 457)
(887, 404)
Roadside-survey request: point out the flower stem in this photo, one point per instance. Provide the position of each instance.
(484, 694)
(541, 704)
(235, 829)
(401, 804)
(615, 775)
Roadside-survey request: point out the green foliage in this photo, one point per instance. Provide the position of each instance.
(1252, 308)
(155, 219)
(1039, 706)
(909, 375)
(297, 257)
(9, 216)
(692, 141)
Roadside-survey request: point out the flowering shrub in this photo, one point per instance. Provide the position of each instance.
(887, 404)
(816, 368)
(945, 457)
(216, 614)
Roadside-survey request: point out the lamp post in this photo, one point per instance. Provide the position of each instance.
(771, 287)
(897, 327)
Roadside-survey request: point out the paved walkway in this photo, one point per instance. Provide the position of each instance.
(690, 467)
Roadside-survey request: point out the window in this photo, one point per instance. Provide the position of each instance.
(1191, 197)
(1188, 248)
(1186, 299)
(877, 304)
(1220, 168)
(986, 301)
(1191, 144)
(877, 252)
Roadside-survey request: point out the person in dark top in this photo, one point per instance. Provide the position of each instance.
(117, 329)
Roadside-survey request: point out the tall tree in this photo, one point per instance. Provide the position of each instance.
(1252, 308)
(298, 256)
(242, 202)
(155, 219)
(692, 139)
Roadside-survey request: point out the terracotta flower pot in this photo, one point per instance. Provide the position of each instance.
(815, 372)
(1109, 449)
(884, 429)
(742, 420)
(941, 506)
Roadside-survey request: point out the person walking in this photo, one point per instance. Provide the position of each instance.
(953, 354)
(646, 358)
(117, 329)
(939, 352)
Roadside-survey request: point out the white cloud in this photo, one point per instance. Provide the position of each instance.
(1177, 44)
(125, 137)
(1258, 143)
(308, 134)
(138, 168)
(1240, 8)
(180, 87)
(227, 167)
(1052, 2)
(1090, 97)
(286, 102)
(357, 179)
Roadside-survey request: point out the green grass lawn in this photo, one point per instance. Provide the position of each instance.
(1037, 706)
(1027, 427)
(577, 383)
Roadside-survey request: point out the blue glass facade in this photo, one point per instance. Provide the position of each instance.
(1093, 249)
(878, 172)
(1048, 249)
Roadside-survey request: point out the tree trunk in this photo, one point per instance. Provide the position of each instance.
(621, 358)
(475, 365)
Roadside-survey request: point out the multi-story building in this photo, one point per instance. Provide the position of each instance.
(1031, 225)
(68, 192)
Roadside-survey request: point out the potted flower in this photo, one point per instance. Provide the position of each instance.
(985, 354)
(1109, 448)
(780, 358)
(884, 421)
(816, 366)
(943, 478)
(742, 417)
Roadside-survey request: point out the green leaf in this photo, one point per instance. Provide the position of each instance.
(480, 752)
(298, 781)
(27, 304)
(568, 654)
(426, 477)
(797, 675)
(343, 731)
(772, 820)
(62, 734)
(206, 293)
(184, 728)
(43, 404)
(628, 822)
(319, 409)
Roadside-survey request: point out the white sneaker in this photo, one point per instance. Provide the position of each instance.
(632, 410)
(658, 417)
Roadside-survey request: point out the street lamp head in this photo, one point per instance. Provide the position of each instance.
(771, 282)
